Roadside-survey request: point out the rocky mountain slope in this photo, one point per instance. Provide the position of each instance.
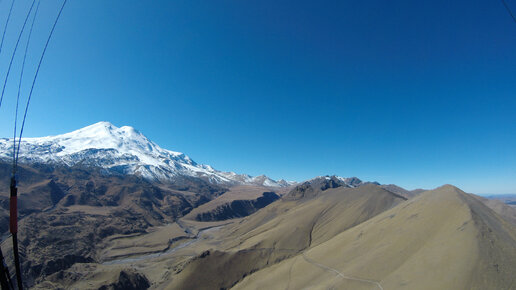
(239, 201)
(65, 213)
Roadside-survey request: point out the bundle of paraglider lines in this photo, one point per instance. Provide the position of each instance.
(18, 61)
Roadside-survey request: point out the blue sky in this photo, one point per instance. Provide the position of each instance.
(416, 93)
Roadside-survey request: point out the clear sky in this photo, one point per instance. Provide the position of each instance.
(416, 93)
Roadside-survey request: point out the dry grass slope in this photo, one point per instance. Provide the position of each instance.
(280, 231)
(443, 239)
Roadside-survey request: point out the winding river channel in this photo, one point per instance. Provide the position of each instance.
(162, 253)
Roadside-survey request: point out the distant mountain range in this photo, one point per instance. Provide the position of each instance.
(123, 150)
(509, 199)
(106, 208)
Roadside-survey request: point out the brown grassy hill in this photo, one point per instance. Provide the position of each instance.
(442, 239)
(282, 230)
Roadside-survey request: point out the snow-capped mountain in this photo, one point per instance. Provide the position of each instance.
(338, 180)
(123, 150)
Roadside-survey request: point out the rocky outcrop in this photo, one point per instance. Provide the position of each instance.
(238, 208)
(314, 187)
(128, 280)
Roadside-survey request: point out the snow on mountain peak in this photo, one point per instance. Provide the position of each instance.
(347, 181)
(97, 130)
(124, 150)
